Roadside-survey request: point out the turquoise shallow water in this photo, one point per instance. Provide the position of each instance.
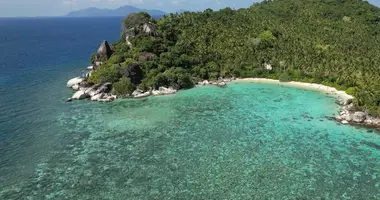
(246, 141)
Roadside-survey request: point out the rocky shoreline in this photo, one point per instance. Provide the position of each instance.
(101, 92)
(348, 113)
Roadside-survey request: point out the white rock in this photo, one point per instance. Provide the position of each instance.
(75, 81)
(79, 95)
(75, 87)
(96, 97)
(359, 117)
(92, 90)
(156, 92)
(90, 67)
(205, 82)
(348, 117)
(344, 122)
(165, 91)
(83, 89)
(368, 121)
(221, 84)
(136, 92)
(142, 95)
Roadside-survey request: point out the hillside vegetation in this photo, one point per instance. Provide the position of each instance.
(332, 42)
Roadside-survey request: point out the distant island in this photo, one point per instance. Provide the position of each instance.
(118, 12)
(328, 43)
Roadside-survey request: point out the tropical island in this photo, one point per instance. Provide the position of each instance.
(331, 43)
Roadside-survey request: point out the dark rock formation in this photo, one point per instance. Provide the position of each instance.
(146, 56)
(104, 50)
(134, 72)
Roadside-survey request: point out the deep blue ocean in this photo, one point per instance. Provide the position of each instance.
(246, 141)
(37, 57)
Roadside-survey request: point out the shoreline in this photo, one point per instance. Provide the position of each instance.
(347, 113)
(344, 97)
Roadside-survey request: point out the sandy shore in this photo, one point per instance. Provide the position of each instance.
(309, 86)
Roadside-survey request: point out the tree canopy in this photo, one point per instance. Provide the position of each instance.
(332, 42)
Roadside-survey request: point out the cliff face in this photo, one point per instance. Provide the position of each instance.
(145, 28)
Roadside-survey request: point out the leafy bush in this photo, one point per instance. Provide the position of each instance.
(116, 59)
(105, 73)
(285, 77)
(123, 87)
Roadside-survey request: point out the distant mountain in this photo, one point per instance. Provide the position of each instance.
(181, 11)
(122, 11)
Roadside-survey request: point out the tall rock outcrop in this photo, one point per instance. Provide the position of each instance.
(104, 50)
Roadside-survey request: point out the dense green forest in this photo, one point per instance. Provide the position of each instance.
(332, 42)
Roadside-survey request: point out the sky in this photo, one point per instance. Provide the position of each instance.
(34, 8)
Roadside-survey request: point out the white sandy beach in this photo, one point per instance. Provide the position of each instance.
(309, 86)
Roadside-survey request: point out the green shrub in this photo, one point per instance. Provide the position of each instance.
(350, 91)
(93, 57)
(105, 74)
(285, 77)
(116, 59)
(123, 87)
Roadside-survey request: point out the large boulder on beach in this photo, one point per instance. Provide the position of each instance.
(75, 81)
(105, 50)
(79, 95)
(359, 117)
(164, 91)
